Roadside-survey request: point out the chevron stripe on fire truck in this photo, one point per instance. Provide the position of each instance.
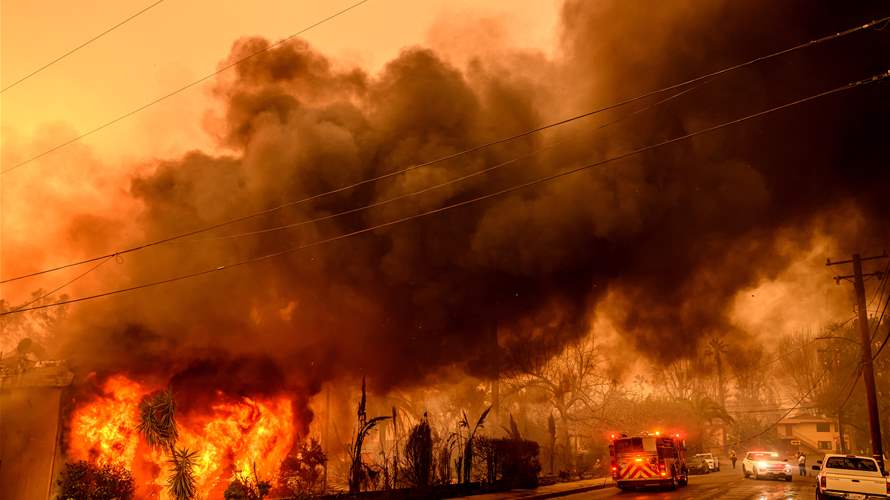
(637, 471)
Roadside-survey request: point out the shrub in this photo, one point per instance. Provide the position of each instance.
(510, 462)
(302, 471)
(85, 481)
(419, 454)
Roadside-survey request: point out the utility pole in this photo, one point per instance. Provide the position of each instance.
(868, 374)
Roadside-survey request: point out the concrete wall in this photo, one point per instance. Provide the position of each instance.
(29, 431)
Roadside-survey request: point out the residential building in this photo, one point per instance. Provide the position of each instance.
(811, 434)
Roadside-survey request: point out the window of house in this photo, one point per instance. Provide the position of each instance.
(823, 427)
(824, 445)
(789, 430)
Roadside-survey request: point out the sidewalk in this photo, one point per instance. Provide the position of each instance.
(550, 491)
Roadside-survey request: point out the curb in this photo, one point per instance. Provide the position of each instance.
(573, 491)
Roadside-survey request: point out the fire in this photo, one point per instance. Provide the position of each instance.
(234, 435)
(104, 431)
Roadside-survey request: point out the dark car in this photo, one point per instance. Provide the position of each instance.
(698, 465)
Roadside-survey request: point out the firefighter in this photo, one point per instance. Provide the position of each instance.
(732, 458)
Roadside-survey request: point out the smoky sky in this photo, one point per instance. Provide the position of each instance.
(674, 233)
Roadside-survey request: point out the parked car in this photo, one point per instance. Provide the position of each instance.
(713, 462)
(698, 465)
(850, 476)
(766, 464)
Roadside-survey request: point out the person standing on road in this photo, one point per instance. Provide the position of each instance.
(732, 458)
(802, 462)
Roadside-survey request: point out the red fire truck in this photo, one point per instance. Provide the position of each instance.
(648, 459)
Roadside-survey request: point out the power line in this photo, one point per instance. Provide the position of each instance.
(346, 212)
(389, 200)
(857, 373)
(784, 415)
(183, 88)
(877, 325)
(84, 44)
(60, 287)
(518, 187)
(458, 154)
(449, 182)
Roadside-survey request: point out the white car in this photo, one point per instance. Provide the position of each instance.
(766, 464)
(851, 477)
(713, 462)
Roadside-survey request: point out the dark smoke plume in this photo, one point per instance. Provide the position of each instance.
(671, 235)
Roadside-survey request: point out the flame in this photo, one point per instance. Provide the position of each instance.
(233, 435)
(104, 431)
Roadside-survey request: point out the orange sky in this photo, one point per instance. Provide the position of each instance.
(179, 41)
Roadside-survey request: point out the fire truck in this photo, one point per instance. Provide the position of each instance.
(648, 459)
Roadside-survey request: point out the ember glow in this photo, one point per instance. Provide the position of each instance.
(231, 436)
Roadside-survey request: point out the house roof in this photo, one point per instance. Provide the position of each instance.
(804, 419)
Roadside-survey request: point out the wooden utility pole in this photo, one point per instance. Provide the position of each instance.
(868, 374)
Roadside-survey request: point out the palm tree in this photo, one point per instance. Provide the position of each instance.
(157, 420)
(181, 482)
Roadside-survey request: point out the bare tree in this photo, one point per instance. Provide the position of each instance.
(571, 380)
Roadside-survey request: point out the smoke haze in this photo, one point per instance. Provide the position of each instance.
(661, 244)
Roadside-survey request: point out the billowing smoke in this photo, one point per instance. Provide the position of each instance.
(670, 236)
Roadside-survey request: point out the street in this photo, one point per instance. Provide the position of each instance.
(726, 484)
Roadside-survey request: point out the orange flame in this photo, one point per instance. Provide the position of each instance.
(233, 436)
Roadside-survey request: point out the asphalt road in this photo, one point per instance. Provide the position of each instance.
(726, 484)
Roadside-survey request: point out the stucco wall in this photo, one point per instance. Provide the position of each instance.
(29, 424)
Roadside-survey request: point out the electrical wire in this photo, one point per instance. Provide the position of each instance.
(345, 212)
(449, 182)
(84, 44)
(788, 354)
(495, 194)
(788, 412)
(877, 325)
(183, 88)
(458, 154)
(62, 286)
(857, 373)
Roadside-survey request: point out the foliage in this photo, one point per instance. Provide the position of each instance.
(419, 454)
(361, 474)
(157, 420)
(510, 462)
(37, 326)
(245, 487)
(570, 378)
(467, 457)
(301, 472)
(85, 481)
(181, 482)
(442, 465)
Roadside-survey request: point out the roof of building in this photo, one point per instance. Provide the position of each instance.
(804, 419)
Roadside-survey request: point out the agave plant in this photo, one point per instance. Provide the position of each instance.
(157, 420)
(181, 482)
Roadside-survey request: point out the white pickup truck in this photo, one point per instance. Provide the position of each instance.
(851, 477)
